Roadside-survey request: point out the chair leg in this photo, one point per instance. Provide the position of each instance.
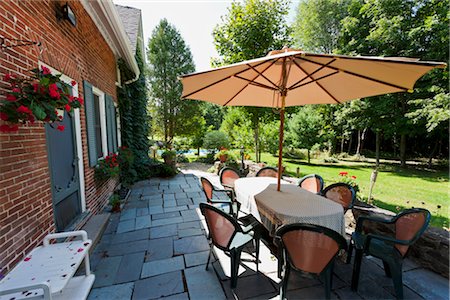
(356, 269)
(257, 240)
(396, 271)
(349, 252)
(209, 255)
(387, 269)
(328, 274)
(284, 282)
(280, 261)
(235, 262)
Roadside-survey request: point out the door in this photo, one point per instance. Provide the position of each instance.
(65, 178)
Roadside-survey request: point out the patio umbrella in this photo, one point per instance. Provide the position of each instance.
(291, 77)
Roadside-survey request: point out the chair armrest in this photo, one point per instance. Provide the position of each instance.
(250, 227)
(44, 286)
(221, 201)
(359, 223)
(387, 239)
(58, 235)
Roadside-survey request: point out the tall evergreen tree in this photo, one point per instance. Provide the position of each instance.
(170, 57)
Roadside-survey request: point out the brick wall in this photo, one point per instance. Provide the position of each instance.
(81, 53)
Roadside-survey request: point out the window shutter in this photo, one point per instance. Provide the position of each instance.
(109, 122)
(89, 108)
(114, 121)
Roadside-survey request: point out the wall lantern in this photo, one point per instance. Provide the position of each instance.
(67, 13)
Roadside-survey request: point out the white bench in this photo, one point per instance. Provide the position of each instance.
(48, 271)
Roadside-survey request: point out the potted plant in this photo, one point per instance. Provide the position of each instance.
(114, 201)
(41, 97)
(169, 157)
(107, 168)
(222, 155)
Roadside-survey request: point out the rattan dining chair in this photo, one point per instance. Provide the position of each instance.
(312, 183)
(341, 193)
(227, 177)
(229, 206)
(229, 236)
(309, 248)
(409, 225)
(267, 172)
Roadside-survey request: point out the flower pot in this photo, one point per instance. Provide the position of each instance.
(168, 160)
(223, 158)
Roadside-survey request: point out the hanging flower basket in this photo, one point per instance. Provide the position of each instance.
(41, 97)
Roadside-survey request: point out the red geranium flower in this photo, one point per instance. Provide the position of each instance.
(35, 87)
(67, 107)
(73, 82)
(60, 127)
(353, 177)
(53, 87)
(3, 116)
(7, 77)
(8, 128)
(71, 98)
(343, 173)
(11, 98)
(16, 90)
(45, 70)
(24, 109)
(80, 100)
(54, 94)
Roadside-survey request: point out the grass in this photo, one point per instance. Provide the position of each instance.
(395, 189)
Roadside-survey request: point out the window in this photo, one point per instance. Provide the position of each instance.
(98, 126)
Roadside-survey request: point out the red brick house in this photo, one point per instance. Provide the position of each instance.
(46, 176)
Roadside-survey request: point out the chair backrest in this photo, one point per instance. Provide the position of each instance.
(228, 176)
(310, 248)
(409, 226)
(267, 172)
(207, 188)
(341, 193)
(312, 183)
(222, 227)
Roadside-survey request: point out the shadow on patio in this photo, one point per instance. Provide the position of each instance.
(157, 247)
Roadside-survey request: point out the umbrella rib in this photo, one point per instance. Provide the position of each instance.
(223, 79)
(262, 75)
(316, 81)
(358, 75)
(256, 83)
(249, 82)
(308, 75)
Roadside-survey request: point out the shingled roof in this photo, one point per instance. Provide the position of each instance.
(130, 18)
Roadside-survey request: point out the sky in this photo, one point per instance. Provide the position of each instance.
(195, 20)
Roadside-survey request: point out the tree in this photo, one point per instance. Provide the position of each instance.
(317, 24)
(251, 29)
(215, 140)
(305, 129)
(170, 57)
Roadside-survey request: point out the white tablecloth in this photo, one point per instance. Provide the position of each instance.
(258, 196)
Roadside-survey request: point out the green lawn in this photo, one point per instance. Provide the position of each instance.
(396, 188)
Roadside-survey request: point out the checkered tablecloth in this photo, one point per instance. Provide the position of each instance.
(258, 196)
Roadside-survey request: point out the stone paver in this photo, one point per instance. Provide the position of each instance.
(157, 247)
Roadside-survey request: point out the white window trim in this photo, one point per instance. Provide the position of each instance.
(101, 104)
(68, 80)
(119, 127)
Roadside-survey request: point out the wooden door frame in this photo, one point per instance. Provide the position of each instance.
(68, 80)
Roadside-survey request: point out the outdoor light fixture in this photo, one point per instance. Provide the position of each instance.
(68, 14)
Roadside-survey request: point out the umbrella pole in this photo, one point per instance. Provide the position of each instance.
(280, 143)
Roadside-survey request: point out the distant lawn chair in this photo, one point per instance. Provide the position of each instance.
(312, 183)
(309, 248)
(341, 193)
(409, 225)
(267, 172)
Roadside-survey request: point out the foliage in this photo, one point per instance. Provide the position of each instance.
(107, 168)
(114, 201)
(128, 174)
(170, 57)
(164, 170)
(350, 180)
(304, 129)
(134, 121)
(181, 158)
(36, 98)
(317, 24)
(238, 127)
(169, 154)
(215, 140)
(270, 135)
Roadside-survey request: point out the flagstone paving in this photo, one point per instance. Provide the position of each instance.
(157, 248)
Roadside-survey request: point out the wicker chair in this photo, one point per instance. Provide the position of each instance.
(341, 193)
(312, 183)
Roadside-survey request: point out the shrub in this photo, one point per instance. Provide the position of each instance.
(216, 140)
(114, 201)
(169, 154)
(166, 171)
(182, 158)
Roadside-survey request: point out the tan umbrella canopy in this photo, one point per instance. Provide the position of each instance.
(291, 77)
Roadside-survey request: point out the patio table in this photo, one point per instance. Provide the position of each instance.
(259, 197)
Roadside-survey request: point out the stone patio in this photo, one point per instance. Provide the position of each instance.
(157, 248)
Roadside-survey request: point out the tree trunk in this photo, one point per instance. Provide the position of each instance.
(350, 144)
(403, 150)
(377, 148)
(342, 144)
(430, 158)
(198, 151)
(361, 137)
(309, 157)
(358, 146)
(256, 137)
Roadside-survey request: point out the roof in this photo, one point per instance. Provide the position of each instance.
(131, 19)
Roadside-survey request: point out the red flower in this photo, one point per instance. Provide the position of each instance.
(31, 119)
(73, 82)
(45, 70)
(54, 94)
(4, 116)
(16, 90)
(71, 98)
(35, 87)
(7, 77)
(8, 128)
(24, 109)
(343, 173)
(60, 127)
(11, 98)
(80, 100)
(53, 87)
(67, 107)
(353, 177)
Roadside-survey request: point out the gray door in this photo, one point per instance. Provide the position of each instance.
(65, 178)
